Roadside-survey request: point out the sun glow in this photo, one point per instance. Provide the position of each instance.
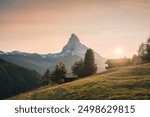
(118, 51)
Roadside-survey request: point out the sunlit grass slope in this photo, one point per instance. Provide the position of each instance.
(131, 82)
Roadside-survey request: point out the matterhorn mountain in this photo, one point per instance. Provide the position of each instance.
(74, 46)
(71, 52)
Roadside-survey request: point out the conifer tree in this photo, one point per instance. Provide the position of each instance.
(77, 68)
(46, 77)
(144, 51)
(59, 73)
(89, 63)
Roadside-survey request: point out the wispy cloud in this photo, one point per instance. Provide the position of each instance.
(102, 20)
(136, 4)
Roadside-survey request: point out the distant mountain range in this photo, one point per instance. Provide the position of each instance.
(70, 53)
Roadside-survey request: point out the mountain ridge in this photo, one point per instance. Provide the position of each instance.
(73, 51)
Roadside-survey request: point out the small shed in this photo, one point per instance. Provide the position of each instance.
(70, 77)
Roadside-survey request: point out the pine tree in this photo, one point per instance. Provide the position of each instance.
(59, 73)
(89, 63)
(77, 68)
(144, 51)
(46, 77)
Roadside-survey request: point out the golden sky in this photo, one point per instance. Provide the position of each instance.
(44, 26)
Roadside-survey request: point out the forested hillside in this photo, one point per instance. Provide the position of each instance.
(15, 79)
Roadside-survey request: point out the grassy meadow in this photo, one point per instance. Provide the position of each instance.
(123, 83)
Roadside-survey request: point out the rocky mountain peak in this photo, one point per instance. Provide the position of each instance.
(73, 40)
(74, 46)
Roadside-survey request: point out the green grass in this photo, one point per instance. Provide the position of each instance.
(131, 82)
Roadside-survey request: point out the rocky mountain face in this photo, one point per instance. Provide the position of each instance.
(74, 47)
(71, 52)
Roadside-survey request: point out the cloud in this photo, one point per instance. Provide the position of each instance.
(136, 4)
(27, 4)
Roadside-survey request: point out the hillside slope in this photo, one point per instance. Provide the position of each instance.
(15, 79)
(131, 82)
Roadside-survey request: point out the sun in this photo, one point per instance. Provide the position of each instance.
(118, 51)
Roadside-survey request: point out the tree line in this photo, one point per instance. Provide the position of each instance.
(81, 68)
(142, 57)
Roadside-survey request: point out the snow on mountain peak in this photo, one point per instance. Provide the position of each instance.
(74, 38)
(74, 46)
(73, 41)
(1, 52)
